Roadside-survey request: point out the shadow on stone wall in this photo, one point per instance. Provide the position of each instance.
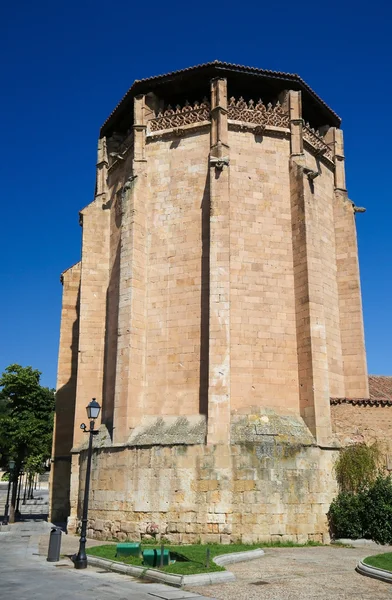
(205, 299)
(111, 329)
(63, 435)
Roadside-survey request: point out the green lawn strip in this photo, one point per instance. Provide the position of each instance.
(380, 561)
(195, 555)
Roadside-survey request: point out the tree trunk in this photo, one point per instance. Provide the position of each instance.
(14, 493)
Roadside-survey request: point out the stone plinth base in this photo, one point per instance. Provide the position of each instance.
(248, 492)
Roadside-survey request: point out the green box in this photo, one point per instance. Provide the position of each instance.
(152, 558)
(129, 550)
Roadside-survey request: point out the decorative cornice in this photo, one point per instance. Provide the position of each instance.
(270, 130)
(186, 115)
(259, 113)
(176, 131)
(317, 143)
(362, 401)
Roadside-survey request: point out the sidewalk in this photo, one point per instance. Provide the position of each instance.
(69, 544)
(26, 575)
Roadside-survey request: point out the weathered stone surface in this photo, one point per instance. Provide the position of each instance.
(261, 497)
(265, 427)
(165, 431)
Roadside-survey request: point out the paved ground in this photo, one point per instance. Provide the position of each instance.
(38, 506)
(320, 573)
(26, 575)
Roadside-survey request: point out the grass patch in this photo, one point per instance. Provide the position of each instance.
(381, 561)
(194, 555)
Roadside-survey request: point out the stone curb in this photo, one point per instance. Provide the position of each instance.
(355, 543)
(179, 580)
(374, 572)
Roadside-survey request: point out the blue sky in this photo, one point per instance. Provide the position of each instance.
(66, 64)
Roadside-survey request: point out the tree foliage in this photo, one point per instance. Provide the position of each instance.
(26, 417)
(346, 517)
(357, 467)
(378, 510)
(365, 514)
(363, 507)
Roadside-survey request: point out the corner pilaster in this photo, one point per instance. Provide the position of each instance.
(308, 288)
(95, 219)
(102, 168)
(356, 381)
(334, 139)
(130, 368)
(296, 123)
(219, 324)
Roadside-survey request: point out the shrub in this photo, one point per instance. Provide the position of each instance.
(346, 516)
(377, 510)
(357, 467)
(365, 514)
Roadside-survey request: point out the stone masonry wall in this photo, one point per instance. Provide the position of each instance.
(264, 364)
(178, 186)
(250, 492)
(362, 423)
(322, 199)
(60, 473)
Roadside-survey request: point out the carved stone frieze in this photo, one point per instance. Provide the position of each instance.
(312, 137)
(259, 113)
(180, 116)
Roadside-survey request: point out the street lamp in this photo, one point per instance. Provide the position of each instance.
(11, 466)
(93, 410)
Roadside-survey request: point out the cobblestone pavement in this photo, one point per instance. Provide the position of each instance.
(311, 573)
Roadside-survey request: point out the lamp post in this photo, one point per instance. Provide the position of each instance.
(11, 466)
(93, 410)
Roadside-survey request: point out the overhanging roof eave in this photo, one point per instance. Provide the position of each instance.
(148, 84)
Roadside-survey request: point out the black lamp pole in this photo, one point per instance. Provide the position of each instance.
(11, 466)
(80, 559)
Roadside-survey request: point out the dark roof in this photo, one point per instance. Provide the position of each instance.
(362, 401)
(380, 393)
(182, 78)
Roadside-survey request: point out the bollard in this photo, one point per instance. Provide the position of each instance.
(54, 545)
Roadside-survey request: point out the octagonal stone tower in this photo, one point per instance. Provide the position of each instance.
(214, 313)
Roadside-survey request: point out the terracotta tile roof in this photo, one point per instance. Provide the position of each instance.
(380, 393)
(139, 84)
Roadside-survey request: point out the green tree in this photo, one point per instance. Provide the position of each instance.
(357, 467)
(26, 419)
